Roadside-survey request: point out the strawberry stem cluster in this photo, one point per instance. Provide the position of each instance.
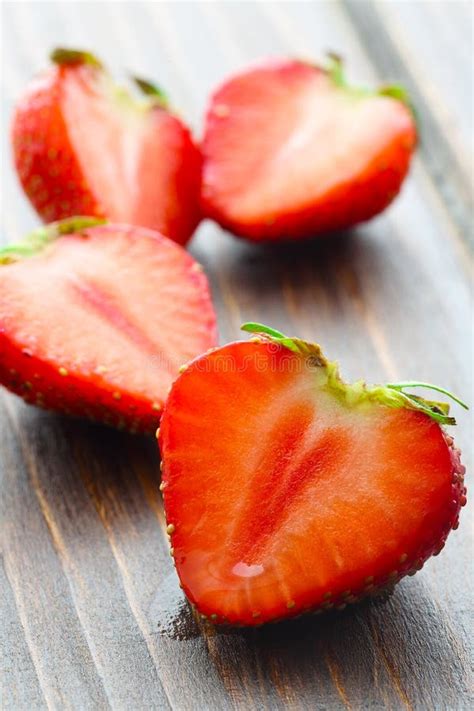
(390, 395)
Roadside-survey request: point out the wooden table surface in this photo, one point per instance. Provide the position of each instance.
(92, 615)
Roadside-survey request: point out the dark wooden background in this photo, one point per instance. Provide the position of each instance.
(92, 614)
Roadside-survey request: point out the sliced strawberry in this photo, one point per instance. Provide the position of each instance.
(84, 146)
(95, 320)
(291, 151)
(286, 489)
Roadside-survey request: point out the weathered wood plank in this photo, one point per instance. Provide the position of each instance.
(436, 43)
(53, 633)
(443, 153)
(20, 686)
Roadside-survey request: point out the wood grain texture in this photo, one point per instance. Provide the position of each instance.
(443, 145)
(92, 615)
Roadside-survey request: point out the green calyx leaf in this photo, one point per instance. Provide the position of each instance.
(62, 56)
(390, 395)
(335, 71)
(395, 91)
(441, 408)
(153, 91)
(253, 327)
(272, 334)
(37, 240)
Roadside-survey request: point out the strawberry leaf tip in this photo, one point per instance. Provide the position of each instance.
(273, 335)
(395, 91)
(38, 239)
(428, 386)
(152, 90)
(335, 69)
(252, 327)
(65, 56)
(390, 395)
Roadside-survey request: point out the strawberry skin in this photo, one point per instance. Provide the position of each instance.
(286, 490)
(95, 320)
(290, 151)
(83, 146)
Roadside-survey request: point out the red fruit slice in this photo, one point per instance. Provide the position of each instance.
(287, 490)
(83, 146)
(291, 151)
(97, 322)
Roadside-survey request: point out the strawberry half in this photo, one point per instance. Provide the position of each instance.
(96, 319)
(291, 151)
(85, 146)
(286, 489)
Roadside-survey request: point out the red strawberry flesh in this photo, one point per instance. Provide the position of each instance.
(84, 146)
(287, 153)
(284, 497)
(117, 308)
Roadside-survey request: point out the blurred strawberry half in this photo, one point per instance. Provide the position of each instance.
(85, 146)
(291, 151)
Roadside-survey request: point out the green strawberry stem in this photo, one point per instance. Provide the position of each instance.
(391, 395)
(152, 90)
(62, 55)
(42, 236)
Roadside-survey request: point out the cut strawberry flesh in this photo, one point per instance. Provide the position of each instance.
(121, 306)
(299, 140)
(281, 495)
(139, 163)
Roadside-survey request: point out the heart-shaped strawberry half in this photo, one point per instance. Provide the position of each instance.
(287, 490)
(291, 150)
(96, 319)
